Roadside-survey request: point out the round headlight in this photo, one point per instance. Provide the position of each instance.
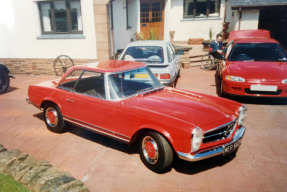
(242, 114)
(284, 81)
(196, 139)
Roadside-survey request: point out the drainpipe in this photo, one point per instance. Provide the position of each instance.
(224, 17)
(240, 18)
(112, 28)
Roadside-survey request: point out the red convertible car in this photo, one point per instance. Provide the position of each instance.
(125, 101)
(255, 65)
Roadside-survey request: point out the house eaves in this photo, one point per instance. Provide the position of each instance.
(251, 4)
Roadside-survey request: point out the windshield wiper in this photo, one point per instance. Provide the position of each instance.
(145, 89)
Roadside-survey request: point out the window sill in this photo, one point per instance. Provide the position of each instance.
(201, 18)
(61, 36)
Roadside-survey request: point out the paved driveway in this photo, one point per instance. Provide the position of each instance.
(107, 165)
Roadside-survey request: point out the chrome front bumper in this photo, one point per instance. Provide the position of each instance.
(211, 152)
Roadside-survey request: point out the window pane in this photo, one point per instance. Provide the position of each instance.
(214, 8)
(130, 83)
(147, 54)
(201, 6)
(92, 84)
(46, 16)
(70, 81)
(188, 7)
(61, 16)
(76, 15)
(144, 13)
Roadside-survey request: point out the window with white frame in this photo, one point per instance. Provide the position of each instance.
(61, 17)
(201, 8)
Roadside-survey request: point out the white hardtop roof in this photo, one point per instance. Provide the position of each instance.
(148, 43)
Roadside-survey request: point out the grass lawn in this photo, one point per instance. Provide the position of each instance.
(9, 184)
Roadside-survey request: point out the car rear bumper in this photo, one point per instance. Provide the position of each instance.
(243, 89)
(212, 152)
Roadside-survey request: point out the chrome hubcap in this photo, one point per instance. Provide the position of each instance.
(51, 117)
(150, 149)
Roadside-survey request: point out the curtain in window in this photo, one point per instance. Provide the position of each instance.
(76, 15)
(46, 15)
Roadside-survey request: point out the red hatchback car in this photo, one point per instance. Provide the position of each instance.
(255, 65)
(125, 101)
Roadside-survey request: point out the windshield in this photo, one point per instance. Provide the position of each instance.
(148, 54)
(257, 52)
(129, 83)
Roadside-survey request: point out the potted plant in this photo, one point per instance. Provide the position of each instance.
(206, 43)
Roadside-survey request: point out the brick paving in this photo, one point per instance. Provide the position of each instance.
(107, 165)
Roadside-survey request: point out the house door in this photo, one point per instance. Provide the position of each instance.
(152, 19)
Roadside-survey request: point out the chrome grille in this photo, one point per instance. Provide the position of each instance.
(219, 133)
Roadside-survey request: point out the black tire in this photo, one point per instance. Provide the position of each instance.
(222, 93)
(155, 152)
(178, 74)
(53, 118)
(4, 82)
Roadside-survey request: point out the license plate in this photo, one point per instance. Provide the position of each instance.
(231, 147)
(263, 88)
(141, 76)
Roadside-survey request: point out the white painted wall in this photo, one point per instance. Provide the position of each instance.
(122, 35)
(20, 27)
(249, 20)
(189, 28)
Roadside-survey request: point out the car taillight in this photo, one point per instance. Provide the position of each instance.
(165, 76)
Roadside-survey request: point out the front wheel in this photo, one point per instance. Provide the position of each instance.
(53, 118)
(155, 152)
(4, 82)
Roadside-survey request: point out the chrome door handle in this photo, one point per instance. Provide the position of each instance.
(70, 101)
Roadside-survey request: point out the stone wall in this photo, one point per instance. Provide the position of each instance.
(37, 176)
(35, 66)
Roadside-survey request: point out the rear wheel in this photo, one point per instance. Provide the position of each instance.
(4, 82)
(53, 118)
(155, 152)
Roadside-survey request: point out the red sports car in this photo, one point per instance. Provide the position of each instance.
(255, 65)
(125, 101)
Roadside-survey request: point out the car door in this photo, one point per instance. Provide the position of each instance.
(87, 106)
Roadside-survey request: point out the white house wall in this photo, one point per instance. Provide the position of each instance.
(189, 28)
(20, 27)
(122, 35)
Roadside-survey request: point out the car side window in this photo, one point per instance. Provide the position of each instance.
(92, 84)
(70, 81)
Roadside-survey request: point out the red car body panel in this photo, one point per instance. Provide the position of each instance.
(249, 34)
(265, 73)
(173, 113)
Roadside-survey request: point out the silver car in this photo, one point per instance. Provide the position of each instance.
(160, 57)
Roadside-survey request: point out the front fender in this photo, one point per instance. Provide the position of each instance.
(4, 68)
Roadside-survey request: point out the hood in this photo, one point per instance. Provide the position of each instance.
(197, 109)
(258, 70)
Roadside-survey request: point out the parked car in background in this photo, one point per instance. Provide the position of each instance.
(255, 65)
(125, 101)
(4, 78)
(160, 57)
